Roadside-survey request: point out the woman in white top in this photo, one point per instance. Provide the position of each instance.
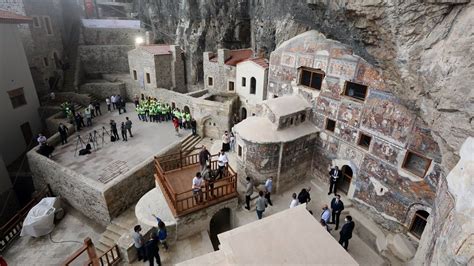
(222, 162)
(294, 202)
(225, 141)
(197, 185)
(232, 141)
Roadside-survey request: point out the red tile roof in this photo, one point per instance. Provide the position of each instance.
(237, 56)
(7, 17)
(263, 62)
(157, 49)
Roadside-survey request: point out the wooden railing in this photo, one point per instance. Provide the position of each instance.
(10, 230)
(110, 257)
(184, 202)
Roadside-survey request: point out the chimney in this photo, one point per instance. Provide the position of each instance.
(149, 38)
(222, 56)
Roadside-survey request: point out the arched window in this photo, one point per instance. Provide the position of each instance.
(253, 85)
(419, 222)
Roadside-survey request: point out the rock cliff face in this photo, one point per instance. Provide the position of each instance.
(425, 48)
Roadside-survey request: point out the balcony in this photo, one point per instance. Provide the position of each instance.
(174, 174)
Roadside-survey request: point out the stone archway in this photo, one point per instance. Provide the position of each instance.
(220, 222)
(346, 178)
(243, 113)
(340, 163)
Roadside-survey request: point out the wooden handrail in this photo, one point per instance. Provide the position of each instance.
(88, 247)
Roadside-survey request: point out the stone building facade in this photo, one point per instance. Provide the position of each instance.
(220, 69)
(278, 143)
(158, 66)
(251, 81)
(390, 162)
(42, 40)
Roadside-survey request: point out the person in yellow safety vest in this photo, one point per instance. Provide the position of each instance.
(158, 112)
(188, 120)
(151, 113)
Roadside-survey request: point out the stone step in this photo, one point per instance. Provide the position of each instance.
(101, 248)
(191, 144)
(106, 241)
(116, 229)
(111, 235)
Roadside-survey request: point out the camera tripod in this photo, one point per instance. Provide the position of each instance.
(79, 141)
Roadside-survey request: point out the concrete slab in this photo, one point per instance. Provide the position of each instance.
(113, 159)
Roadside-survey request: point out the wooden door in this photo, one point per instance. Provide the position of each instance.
(346, 178)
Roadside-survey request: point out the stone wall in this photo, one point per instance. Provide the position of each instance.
(221, 74)
(92, 198)
(200, 221)
(100, 59)
(83, 193)
(103, 90)
(109, 36)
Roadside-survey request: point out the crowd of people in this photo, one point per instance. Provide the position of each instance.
(152, 110)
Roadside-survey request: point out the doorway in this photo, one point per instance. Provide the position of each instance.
(219, 223)
(346, 178)
(27, 134)
(243, 113)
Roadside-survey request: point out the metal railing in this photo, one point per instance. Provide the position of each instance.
(10, 230)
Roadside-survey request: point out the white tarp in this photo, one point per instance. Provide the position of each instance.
(40, 219)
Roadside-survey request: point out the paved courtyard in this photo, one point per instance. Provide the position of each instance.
(111, 159)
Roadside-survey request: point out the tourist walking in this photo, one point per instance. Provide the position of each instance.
(193, 126)
(334, 175)
(136, 100)
(113, 99)
(226, 141)
(113, 130)
(294, 201)
(326, 214)
(346, 232)
(63, 132)
(204, 157)
(304, 196)
(152, 250)
(260, 204)
(209, 179)
(222, 163)
(176, 125)
(97, 108)
(337, 206)
(268, 189)
(107, 102)
(91, 109)
(88, 116)
(248, 192)
(197, 188)
(139, 242)
(128, 126)
(123, 130)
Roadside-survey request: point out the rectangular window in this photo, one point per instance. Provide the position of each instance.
(239, 151)
(418, 223)
(364, 141)
(36, 22)
(47, 25)
(311, 78)
(134, 74)
(330, 125)
(231, 86)
(416, 163)
(45, 61)
(209, 81)
(17, 97)
(244, 82)
(148, 80)
(355, 90)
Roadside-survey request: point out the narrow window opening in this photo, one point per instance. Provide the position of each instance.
(330, 125)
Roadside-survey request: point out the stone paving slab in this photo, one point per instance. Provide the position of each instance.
(113, 159)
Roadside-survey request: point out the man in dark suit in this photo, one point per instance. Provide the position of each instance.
(152, 250)
(336, 206)
(346, 232)
(334, 176)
